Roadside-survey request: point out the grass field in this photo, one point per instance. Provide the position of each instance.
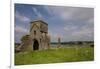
(57, 55)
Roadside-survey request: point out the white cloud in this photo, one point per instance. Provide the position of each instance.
(90, 21)
(62, 12)
(47, 9)
(70, 28)
(73, 33)
(37, 12)
(83, 32)
(19, 29)
(21, 17)
(72, 13)
(19, 32)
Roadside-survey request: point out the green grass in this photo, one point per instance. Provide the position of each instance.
(57, 55)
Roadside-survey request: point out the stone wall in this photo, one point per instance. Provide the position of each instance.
(38, 38)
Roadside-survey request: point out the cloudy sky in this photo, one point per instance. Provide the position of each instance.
(69, 23)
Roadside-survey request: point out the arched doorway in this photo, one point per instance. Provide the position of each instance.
(35, 44)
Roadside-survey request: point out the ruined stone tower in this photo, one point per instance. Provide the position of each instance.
(38, 38)
(59, 42)
(39, 35)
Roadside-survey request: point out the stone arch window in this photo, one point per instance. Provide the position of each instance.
(34, 32)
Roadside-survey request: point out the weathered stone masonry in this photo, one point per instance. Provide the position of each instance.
(38, 39)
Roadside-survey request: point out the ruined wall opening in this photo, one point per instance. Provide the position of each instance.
(35, 44)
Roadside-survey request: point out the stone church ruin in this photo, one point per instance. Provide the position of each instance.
(38, 39)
